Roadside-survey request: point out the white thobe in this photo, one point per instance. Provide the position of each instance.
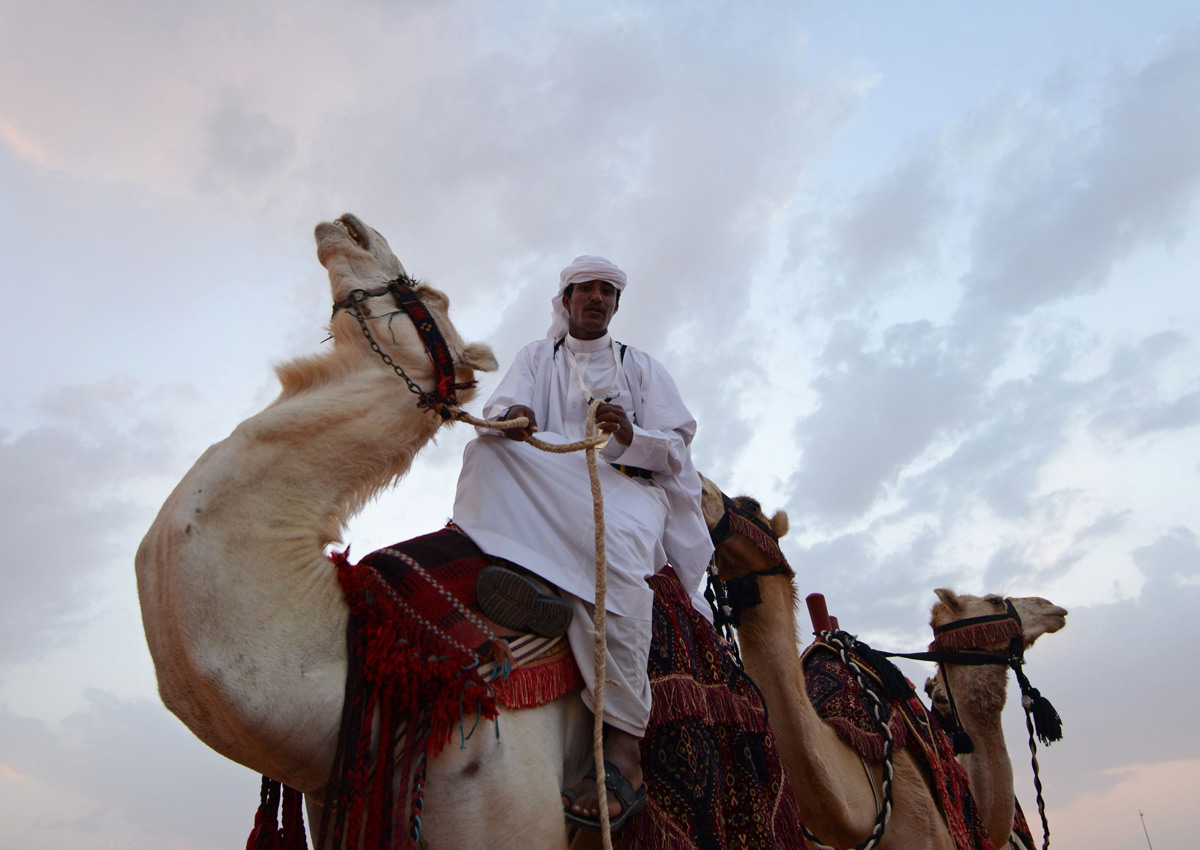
(535, 508)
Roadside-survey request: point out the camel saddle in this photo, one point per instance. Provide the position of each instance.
(713, 776)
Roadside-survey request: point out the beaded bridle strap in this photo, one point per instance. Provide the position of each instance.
(444, 399)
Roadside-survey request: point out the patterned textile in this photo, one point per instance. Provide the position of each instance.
(428, 575)
(949, 779)
(415, 644)
(1022, 835)
(426, 667)
(835, 694)
(540, 676)
(713, 776)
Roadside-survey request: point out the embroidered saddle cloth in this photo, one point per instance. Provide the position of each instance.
(426, 664)
(714, 780)
(838, 698)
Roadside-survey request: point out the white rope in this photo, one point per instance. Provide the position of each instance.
(591, 443)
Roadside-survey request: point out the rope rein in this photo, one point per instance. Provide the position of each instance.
(591, 443)
(444, 402)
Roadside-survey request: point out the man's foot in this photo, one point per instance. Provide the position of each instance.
(623, 801)
(510, 599)
(623, 779)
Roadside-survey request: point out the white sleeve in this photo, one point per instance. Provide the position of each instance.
(660, 442)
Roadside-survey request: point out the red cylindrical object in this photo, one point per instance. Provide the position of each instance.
(817, 612)
(833, 622)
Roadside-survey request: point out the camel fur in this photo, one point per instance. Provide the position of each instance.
(980, 694)
(242, 610)
(837, 791)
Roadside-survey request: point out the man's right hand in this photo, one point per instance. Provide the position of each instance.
(520, 434)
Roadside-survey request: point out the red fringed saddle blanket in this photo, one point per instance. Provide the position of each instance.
(421, 658)
(839, 700)
(419, 652)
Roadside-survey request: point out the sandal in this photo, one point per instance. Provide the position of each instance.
(631, 801)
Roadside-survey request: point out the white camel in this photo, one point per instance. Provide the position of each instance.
(243, 612)
(980, 694)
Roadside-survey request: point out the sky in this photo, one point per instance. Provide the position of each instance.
(925, 274)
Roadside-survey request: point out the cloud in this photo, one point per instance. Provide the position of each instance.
(892, 396)
(1123, 701)
(886, 236)
(71, 498)
(123, 772)
(878, 410)
(1083, 202)
(244, 148)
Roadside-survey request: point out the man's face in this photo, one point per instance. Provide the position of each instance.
(590, 307)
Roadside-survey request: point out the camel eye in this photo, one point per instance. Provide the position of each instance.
(996, 601)
(751, 505)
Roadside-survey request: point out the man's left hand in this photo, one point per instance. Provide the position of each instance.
(611, 419)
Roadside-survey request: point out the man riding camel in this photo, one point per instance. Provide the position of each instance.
(534, 509)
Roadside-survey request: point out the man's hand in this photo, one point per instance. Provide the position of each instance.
(611, 419)
(520, 434)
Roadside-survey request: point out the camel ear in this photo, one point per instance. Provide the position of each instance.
(948, 596)
(779, 523)
(479, 356)
(711, 502)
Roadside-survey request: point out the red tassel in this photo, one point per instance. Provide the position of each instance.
(501, 655)
(265, 835)
(292, 835)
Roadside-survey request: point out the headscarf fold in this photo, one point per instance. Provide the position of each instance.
(582, 269)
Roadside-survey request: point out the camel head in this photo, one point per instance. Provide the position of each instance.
(359, 259)
(752, 545)
(1038, 616)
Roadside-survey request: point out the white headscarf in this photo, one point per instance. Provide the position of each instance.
(582, 269)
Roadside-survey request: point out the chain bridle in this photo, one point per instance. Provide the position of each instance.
(443, 399)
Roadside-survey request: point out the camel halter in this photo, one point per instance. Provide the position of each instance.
(962, 642)
(959, 642)
(741, 593)
(729, 598)
(444, 399)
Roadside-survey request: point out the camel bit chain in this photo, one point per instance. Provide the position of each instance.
(444, 401)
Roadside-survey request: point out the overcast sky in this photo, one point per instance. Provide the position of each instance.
(926, 274)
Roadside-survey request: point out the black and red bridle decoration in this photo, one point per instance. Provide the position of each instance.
(444, 399)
